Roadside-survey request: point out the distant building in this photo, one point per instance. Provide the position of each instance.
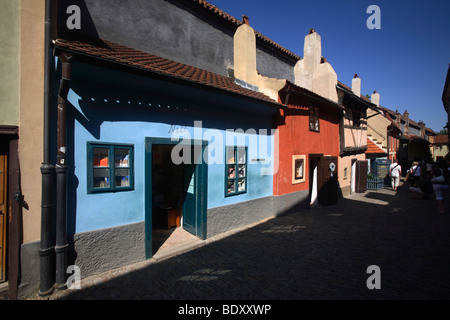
(439, 147)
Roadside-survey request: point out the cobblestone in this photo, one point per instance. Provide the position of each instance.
(320, 253)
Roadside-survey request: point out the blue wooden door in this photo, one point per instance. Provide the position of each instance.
(190, 199)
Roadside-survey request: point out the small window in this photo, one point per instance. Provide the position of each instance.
(298, 169)
(236, 170)
(356, 118)
(314, 119)
(110, 167)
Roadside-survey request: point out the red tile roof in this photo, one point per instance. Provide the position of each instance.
(306, 93)
(440, 139)
(372, 148)
(116, 53)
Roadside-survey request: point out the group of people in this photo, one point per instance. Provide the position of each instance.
(424, 179)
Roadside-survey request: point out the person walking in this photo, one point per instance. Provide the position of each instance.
(414, 174)
(395, 171)
(440, 179)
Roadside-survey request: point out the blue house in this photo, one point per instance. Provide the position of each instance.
(150, 141)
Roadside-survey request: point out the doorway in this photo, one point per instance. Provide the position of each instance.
(323, 180)
(328, 180)
(167, 195)
(175, 192)
(353, 177)
(313, 178)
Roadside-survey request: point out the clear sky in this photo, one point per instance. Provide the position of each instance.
(406, 61)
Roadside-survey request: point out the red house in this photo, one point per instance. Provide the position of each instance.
(308, 150)
(307, 137)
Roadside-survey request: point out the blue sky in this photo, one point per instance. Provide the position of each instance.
(406, 61)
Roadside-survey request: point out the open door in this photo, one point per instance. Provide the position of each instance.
(328, 180)
(361, 176)
(194, 206)
(313, 178)
(190, 203)
(163, 179)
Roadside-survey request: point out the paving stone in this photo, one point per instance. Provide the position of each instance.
(319, 253)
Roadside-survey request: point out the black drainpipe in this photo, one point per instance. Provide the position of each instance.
(61, 174)
(46, 249)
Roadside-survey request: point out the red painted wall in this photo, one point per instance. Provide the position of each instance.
(295, 138)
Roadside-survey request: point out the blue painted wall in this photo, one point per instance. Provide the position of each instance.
(115, 107)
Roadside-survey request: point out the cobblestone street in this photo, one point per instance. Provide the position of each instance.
(321, 253)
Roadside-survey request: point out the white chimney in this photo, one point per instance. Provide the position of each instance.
(245, 53)
(375, 98)
(313, 72)
(312, 51)
(356, 85)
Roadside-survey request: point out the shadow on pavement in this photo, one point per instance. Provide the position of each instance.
(320, 253)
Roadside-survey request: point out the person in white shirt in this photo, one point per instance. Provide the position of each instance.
(395, 170)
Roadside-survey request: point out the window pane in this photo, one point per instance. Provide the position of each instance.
(231, 186)
(241, 155)
(101, 157)
(191, 184)
(241, 172)
(122, 177)
(241, 185)
(122, 157)
(101, 178)
(299, 169)
(231, 171)
(230, 155)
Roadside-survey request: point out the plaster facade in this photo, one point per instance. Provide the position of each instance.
(31, 112)
(9, 62)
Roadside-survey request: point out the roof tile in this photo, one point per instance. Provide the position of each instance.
(372, 148)
(117, 53)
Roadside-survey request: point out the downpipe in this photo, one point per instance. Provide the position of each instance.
(47, 243)
(61, 247)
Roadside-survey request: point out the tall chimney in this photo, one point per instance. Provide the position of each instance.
(245, 53)
(245, 19)
(375, 98)
(312, 51)
(356, 85)
(406, 118)
(422, 129)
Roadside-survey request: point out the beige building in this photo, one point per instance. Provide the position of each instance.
(21, 128)
(439, 147)
(353, 138)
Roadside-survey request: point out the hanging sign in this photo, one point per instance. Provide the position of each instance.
(332, 168)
